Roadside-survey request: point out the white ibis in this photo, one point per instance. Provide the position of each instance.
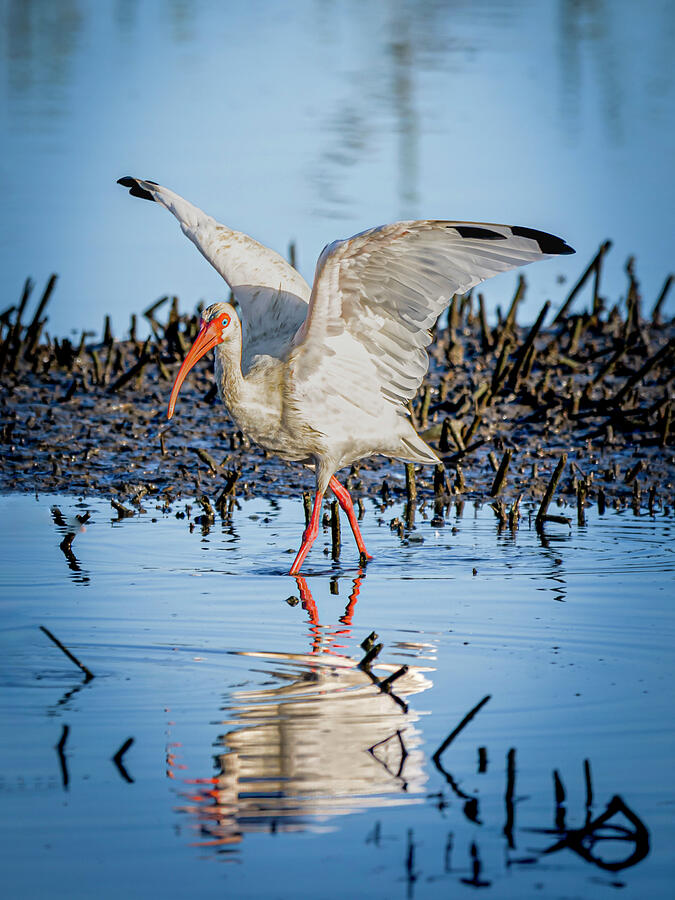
(324, 376)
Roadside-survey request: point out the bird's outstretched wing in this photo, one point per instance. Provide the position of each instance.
(272, 296)
(384, 288)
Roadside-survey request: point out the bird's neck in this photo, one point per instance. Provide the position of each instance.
(229, 377)
(254, 400)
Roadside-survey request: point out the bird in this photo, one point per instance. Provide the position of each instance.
(324, 376)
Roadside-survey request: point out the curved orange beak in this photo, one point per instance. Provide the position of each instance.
(207, 338)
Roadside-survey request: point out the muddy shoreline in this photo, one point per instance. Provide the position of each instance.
(500, 405)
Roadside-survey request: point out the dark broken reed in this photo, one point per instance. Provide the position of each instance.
(307, 505)
(527, 346)
(635, 471)
(206, 457)
(656, 312)
(410, 483)
(371, 654)
(593, 267)
(134, 370)
(550, 491)
(32, 333)
(335, 529)
(386, 683)
(71, 656)
(500, 477)
(661, 355)
(122, 511)
(369, 641)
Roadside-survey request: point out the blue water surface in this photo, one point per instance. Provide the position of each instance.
(266, 763)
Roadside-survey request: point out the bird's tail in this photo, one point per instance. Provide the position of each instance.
(414, 449)
(189, 215)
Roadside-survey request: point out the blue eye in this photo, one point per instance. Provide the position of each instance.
(226, 321)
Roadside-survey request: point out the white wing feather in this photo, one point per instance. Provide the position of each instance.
(380, 291)
(272, 296)
(374, 298)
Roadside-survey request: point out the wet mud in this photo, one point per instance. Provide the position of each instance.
(581, 407)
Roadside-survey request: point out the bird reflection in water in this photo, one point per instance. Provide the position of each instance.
(334, 737)
(330, 738)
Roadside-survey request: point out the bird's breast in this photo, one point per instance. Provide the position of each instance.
(255, 404)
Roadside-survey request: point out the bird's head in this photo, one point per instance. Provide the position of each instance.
(219, 323)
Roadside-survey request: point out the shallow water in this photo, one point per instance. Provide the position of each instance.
(313, 120)
(259, 743)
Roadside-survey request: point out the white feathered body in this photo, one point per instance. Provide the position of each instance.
(324, 376)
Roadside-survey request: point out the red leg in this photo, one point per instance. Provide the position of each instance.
(309, 535)
(345, 502)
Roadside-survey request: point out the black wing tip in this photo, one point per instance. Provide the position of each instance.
(135, 188)
(548, 243)
(478, 231)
